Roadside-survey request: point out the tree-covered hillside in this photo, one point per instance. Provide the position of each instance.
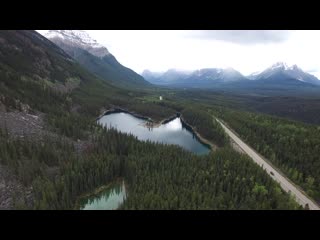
(292, 146)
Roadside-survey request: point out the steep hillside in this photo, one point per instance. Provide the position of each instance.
(96, 58)
(36, 72)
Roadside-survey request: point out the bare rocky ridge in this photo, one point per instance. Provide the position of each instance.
(22, 125)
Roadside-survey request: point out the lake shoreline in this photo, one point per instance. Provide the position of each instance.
(96, 192)
(152, 124)
(119, 110)
(200, 138)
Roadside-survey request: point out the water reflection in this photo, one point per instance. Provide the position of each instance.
(174, 125)
(109, 199)
(172, 132)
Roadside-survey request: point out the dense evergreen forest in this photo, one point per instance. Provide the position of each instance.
(301, 107)
(157, 176)
(205, 124)
(292, 146)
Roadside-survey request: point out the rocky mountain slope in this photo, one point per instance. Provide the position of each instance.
(96, 58)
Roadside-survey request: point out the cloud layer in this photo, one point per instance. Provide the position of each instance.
(244, 50)
(244, 37)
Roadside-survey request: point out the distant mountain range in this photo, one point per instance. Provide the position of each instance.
(277, 77)
(96, 58)
(283, 70)
(199, 78)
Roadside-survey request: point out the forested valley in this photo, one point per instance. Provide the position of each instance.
(157, 176)
(74, 155)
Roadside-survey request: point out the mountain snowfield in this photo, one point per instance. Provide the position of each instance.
(78, 38)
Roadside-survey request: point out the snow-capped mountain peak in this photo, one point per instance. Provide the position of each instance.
(295, 67)
(281, 65)
(78, 38)
(281, 70)
(229, 69)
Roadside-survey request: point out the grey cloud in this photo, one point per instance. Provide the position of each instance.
(244, 37)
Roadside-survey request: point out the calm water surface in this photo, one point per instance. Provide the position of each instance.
(109, 199)
(172, 132)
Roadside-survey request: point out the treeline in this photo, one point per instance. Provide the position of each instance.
(204, 123)
(155, 111)
(292, 146)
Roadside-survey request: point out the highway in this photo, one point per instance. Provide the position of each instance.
(285, 184)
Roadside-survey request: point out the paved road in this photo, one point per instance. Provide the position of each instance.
(286, 185)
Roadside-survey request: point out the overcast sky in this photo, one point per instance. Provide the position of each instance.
(244, 50)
